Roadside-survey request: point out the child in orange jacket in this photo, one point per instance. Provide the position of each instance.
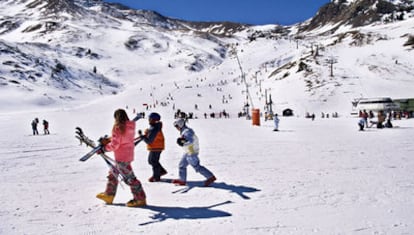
(154, 138)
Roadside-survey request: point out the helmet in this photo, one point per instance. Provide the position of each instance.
(179, 123)
(154, 116)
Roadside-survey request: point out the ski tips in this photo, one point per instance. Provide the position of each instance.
(78, 130)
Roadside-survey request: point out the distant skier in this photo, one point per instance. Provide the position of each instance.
(388, 124)
(154, 138)
(34, 126)
(370, 114)
(365, 115)
(122, 143)
(46, 127)
(276, 122)
(381, 119)
(361, 123)
(189, 141)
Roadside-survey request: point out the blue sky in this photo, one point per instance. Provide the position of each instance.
(285, 12)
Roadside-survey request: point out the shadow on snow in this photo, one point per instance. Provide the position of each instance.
(177, 213)
(239, 190)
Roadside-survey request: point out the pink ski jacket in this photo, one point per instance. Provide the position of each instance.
(123, 144)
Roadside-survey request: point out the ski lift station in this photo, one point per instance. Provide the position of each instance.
(382, 103)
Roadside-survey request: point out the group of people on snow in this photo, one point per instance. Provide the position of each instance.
(365, 117)
(122, 144)
(34, 124)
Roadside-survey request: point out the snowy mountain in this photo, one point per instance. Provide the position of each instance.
(61, 53)
(73, 63)
(360, 13)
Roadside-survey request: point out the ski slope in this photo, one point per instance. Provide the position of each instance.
(320, 177)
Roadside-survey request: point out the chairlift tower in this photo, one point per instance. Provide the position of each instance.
(332, 60)
(243, 77)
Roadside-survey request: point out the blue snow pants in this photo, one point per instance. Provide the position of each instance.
(194, 161)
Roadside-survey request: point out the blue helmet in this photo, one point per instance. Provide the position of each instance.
(154, 116)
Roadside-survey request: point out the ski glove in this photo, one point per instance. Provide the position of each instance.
(104, 140)
(139, 116)
(181, 141)
(141, 136)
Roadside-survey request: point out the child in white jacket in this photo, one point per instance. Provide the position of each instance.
(189, 141)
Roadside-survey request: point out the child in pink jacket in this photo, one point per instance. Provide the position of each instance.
(122, 144)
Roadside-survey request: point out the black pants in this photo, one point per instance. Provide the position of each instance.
(154, 161)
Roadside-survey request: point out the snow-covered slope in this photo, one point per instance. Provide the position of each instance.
(320, 177)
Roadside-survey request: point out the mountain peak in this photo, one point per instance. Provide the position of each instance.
(359, 12)
(55, 6)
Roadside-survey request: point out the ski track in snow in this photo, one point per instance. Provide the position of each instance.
(320, 177)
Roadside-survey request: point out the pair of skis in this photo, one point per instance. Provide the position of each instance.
(90, 143)
(99, 149)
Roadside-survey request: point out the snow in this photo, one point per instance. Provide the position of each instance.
(321, 177)
(311, 177)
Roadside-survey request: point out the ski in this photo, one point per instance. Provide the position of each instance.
(113, 168)
(91, 153)
(90, 143)
(83, 138)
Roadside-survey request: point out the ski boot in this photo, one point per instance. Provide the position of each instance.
(136, 203)
(178, 182)
(153, 179)
(209, 181)
(108, 199)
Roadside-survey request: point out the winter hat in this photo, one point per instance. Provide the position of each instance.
(154, 116)
(179, 123)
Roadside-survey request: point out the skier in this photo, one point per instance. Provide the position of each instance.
(154, 138)
(381, 119)
(276, 121)
(189, 141)
(388, 124)
(46, 127)
(361, 123)
(34, 126)
(365, 116)
(122, 143)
